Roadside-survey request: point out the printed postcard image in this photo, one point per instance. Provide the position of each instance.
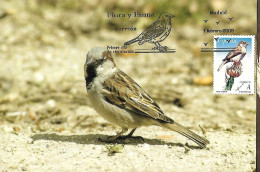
(136, 85)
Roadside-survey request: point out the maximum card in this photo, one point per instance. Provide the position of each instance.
(234, 64)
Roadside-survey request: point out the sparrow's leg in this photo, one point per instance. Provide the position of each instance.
(113, 138)
(130, 135)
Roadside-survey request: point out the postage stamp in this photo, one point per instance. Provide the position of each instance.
(234, 64)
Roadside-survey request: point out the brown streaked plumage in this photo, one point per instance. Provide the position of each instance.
(108, 56)
(131, 97)
(120, 100)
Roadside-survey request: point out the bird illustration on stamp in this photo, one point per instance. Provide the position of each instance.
(233, 64)
(155, 33)
(235, 56)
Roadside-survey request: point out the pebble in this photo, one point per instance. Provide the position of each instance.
(146, 146)
(130, 154)
(38, 77)
(29, 141)
(15, 114)
(12, 96)
(51, 104)
(8, 129)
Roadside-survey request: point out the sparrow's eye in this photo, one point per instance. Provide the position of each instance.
(99, 62)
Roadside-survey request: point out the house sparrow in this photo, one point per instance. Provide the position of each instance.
(155, 33)
(235, 55)
(121, 101)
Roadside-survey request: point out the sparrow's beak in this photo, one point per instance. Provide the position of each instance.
(88, 61)
(247, 43)
(172, 16)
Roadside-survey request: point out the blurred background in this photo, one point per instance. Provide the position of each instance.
(43, 45)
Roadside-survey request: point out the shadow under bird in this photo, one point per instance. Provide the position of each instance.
(155, 33)
(121, 101)
(235, 55)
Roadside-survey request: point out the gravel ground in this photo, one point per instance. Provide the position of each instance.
(83, 152)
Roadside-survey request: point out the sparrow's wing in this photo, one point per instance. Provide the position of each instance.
(154, 30)
(123, 92)
(233, 53)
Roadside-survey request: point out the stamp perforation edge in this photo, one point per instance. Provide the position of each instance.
(254, 60)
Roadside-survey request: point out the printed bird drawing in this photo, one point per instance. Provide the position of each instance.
(155, 33)
(235, 55)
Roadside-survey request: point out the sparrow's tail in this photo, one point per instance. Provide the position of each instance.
(202, 142)
(131, 41)
(222, 64)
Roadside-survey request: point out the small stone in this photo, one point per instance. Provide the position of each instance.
(14, 167)
(12, 96)
(29, 141)
(16, 129)
(8, 149)
(74, 90)
(146, 146)
(12, 116)
(130, 154)
(38, 78)
(15, 114)
(8, 129)
(51, 104)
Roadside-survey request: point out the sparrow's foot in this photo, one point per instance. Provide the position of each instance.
(131, 137)
(109, 139)
(121, 139)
